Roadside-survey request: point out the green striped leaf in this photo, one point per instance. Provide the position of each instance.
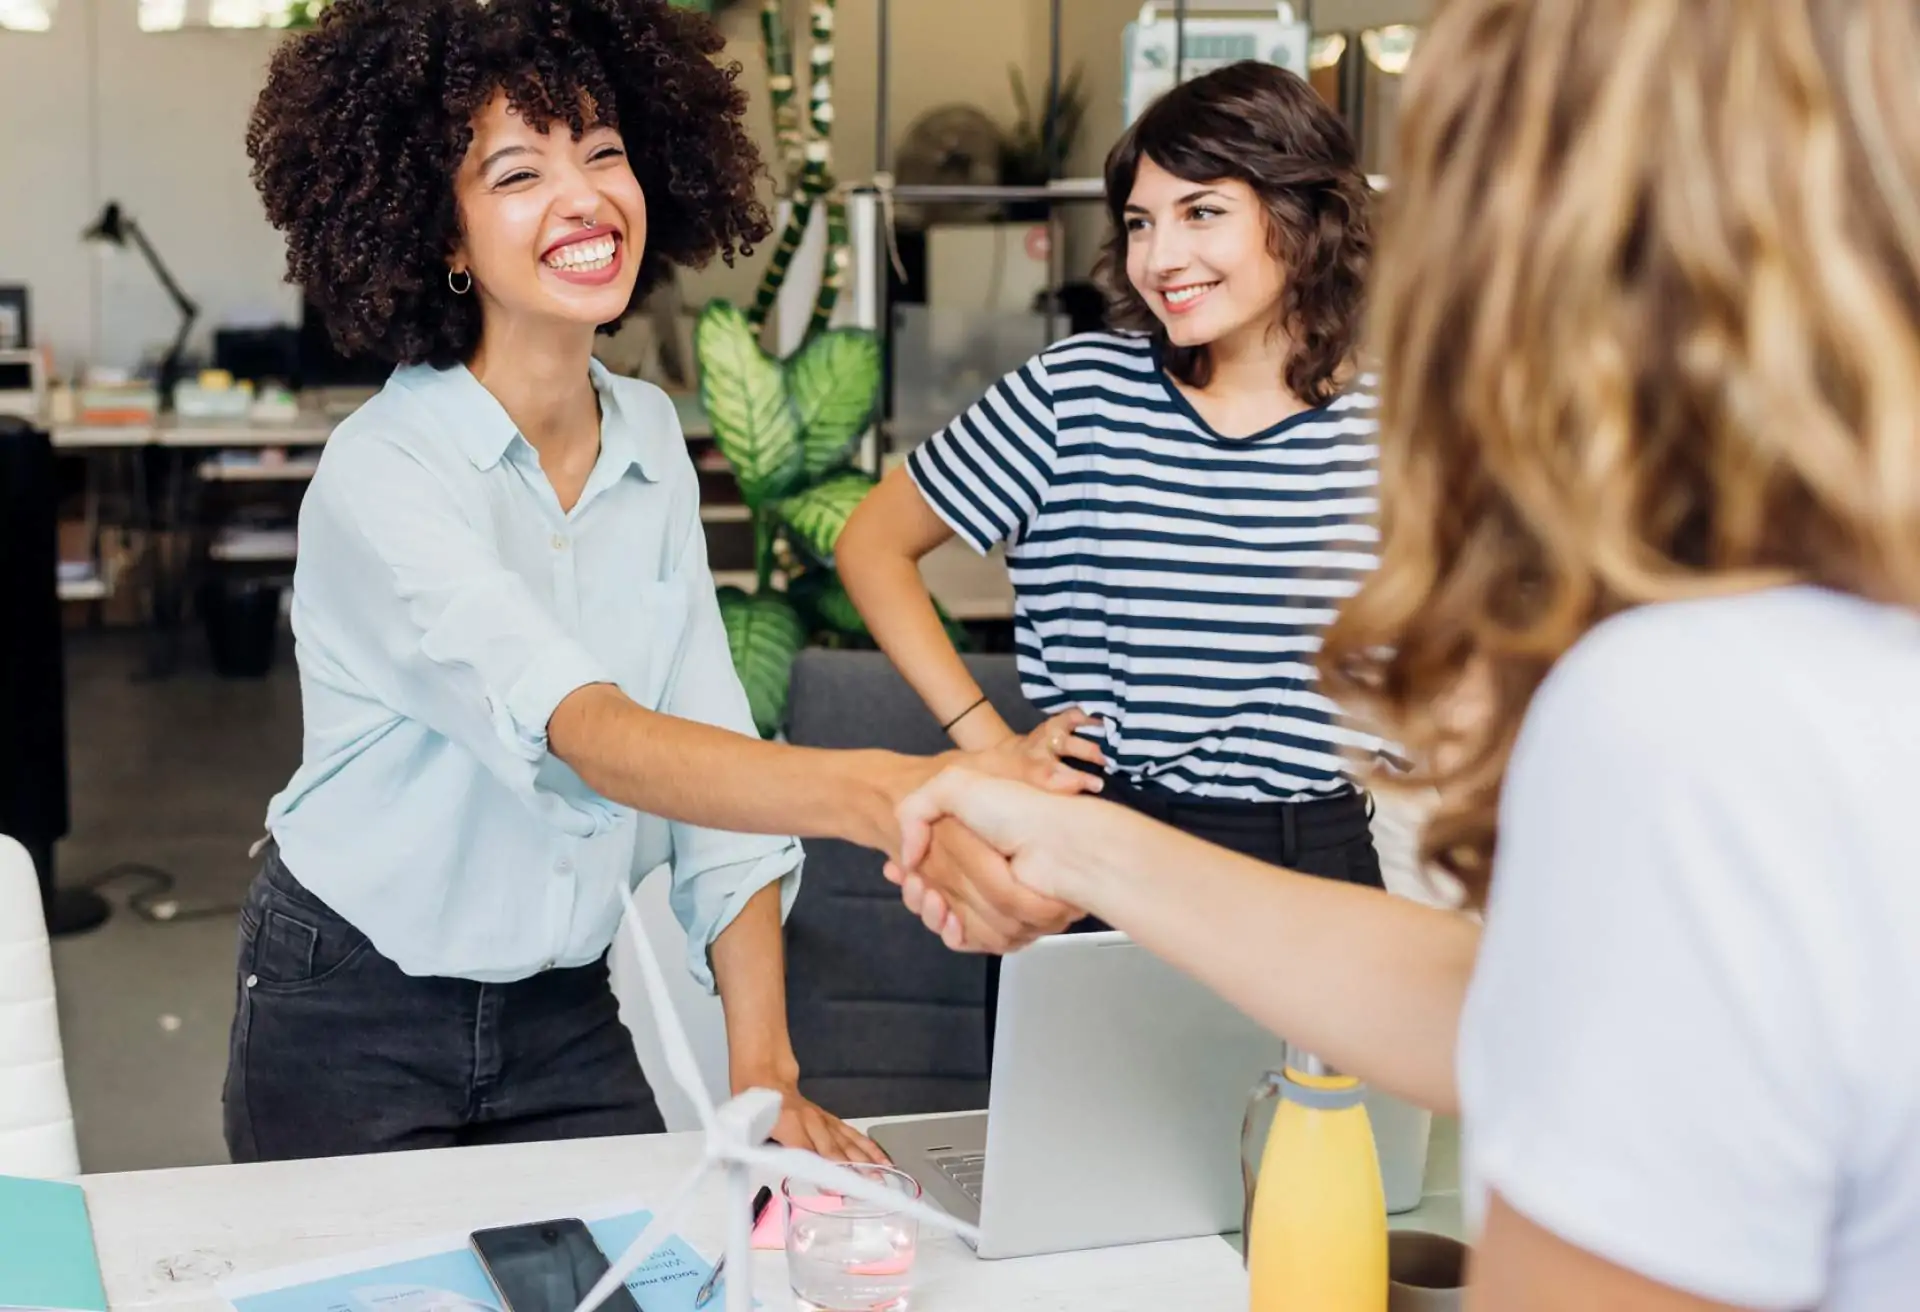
(764, 634)
(817, 515)
(836, 609)
(824, 606)
(835, 382)
(744, 391)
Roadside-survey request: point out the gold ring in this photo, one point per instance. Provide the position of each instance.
(1058, 744)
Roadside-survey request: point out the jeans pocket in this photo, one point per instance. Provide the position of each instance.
(292, 949)
(284, 948)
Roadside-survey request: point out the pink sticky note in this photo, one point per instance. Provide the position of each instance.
(771, 1230)
(771, 1233)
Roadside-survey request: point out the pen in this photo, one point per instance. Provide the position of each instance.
(705, 1296)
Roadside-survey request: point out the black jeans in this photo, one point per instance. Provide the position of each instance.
(1329, 837)
(335, 1050)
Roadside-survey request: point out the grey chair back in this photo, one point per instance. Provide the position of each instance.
(886, 1021)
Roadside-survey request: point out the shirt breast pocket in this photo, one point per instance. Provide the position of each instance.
(644, 634)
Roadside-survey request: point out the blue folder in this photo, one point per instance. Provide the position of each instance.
(47, 1258)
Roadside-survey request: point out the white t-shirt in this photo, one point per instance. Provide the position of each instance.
(1692, 1041)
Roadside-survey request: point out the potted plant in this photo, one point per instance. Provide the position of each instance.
(1037, 148)
(788, 429)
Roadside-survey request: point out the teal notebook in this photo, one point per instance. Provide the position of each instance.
(46, 1248)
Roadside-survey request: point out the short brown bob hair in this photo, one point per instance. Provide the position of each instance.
(1264, 126)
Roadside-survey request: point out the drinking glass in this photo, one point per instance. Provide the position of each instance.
(845, 1255)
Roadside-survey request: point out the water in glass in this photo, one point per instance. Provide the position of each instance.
(845, 1256)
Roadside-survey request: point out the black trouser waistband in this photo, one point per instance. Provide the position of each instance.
(1303, 824)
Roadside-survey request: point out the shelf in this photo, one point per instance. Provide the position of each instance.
(94, 589)
(170, 430)
(305, 431)
(725, 513)
(272, 545)
(248, 554)
(95, 586)
(286, 471)
(1061, 189)
(72, 437)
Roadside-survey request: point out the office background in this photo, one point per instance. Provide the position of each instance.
(173, 773)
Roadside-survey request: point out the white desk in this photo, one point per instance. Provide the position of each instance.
(309, 428)
(165, 1237)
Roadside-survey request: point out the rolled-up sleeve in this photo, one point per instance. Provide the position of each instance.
(412, 601)
(715, 874)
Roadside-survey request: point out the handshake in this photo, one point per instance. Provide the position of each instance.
(995, 846)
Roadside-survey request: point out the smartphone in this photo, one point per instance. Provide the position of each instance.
(547, 1266)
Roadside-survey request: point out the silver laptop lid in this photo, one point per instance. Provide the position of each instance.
(1118, 1090)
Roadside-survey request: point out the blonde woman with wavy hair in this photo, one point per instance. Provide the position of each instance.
(1648, 608)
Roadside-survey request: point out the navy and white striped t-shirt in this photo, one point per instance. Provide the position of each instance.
(1170, 581)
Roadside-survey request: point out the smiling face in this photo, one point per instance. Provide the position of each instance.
(551, 228)
(1199, 255)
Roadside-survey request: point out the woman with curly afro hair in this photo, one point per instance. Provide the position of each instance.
(517, 691)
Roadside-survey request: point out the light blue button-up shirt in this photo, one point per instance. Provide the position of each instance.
(444, 605)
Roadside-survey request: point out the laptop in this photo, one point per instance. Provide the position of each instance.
(1119, 1087)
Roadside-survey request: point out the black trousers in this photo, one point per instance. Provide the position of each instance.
(1329, 837)
(335, 1050)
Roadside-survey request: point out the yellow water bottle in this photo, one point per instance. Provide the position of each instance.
(1316, 1229)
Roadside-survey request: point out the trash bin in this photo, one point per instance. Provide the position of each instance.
(242, 617)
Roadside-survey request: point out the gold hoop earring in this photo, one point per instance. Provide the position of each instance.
(459, 289)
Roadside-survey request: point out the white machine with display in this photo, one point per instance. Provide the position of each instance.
(1216, 33)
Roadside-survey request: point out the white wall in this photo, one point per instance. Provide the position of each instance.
(173, 110)
(96, 110)
(46, 127)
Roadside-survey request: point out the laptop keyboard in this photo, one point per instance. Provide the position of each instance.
(965, 1170)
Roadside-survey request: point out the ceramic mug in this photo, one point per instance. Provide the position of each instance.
(1425, 1272)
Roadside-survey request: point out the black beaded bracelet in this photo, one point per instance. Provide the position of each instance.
(963, 715)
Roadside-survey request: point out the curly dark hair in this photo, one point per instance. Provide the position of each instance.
(364, 121)
(1268, 128)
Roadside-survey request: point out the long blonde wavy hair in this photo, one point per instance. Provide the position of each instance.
(1647, 313)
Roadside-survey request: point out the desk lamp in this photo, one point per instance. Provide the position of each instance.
(115, 227)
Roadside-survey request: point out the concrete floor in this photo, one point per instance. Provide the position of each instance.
(173, 774)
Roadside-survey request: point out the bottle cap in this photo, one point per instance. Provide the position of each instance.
(1303, 1062)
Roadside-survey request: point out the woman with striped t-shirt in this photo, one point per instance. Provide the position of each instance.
(1184, 503)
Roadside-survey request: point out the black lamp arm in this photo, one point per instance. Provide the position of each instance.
(180, 299)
